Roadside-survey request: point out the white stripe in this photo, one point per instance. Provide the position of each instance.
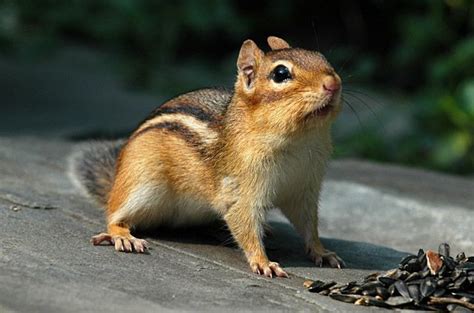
(207, 135)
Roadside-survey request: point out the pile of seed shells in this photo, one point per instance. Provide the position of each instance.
(427, 281)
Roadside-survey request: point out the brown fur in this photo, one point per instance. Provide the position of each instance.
(211, 153)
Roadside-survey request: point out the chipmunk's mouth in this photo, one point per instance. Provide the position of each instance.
(321, 111)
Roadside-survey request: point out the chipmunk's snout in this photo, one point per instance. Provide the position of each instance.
(331, 84)
(326, 102)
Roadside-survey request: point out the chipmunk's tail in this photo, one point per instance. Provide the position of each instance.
(92, 168)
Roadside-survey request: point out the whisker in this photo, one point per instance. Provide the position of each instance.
(360, 100)
(349, 90)
(341, 68)
(345, 78)
(355, 113)
(315, 33)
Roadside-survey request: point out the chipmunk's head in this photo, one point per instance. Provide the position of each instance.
(287, 89)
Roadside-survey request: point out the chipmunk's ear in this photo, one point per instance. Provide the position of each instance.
(277, 43)
(250, 57)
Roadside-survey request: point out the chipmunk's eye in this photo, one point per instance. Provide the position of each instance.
(280, 74)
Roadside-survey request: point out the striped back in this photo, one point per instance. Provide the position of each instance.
(195, 116)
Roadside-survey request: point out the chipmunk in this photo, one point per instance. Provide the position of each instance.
(214, 154)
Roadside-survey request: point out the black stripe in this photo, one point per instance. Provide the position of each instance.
(187, 109)
(190, 137)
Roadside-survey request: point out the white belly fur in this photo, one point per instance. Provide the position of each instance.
(151, 206)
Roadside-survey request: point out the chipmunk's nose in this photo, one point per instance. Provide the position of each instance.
(331, 84)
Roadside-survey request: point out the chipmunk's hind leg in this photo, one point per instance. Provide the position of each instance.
(119, 235)
(142, 207)
(130, 206)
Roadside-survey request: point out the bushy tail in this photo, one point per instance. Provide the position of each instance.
(92, 168)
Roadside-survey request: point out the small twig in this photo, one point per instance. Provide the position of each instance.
(446, 300)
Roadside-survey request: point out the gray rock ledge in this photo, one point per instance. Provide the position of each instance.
(372, 215)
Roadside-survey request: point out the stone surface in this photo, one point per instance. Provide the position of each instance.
(372, 215)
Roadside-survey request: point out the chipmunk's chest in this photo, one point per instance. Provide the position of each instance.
(299, 170)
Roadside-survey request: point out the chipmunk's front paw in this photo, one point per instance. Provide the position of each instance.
(122, 243)
(267, 268)
(327, 257)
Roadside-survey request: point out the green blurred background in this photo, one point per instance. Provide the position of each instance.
(407, 66)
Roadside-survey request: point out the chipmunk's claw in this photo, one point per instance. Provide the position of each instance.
(121, 243)
(330, 258)
(98, 239)
(268, 269)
